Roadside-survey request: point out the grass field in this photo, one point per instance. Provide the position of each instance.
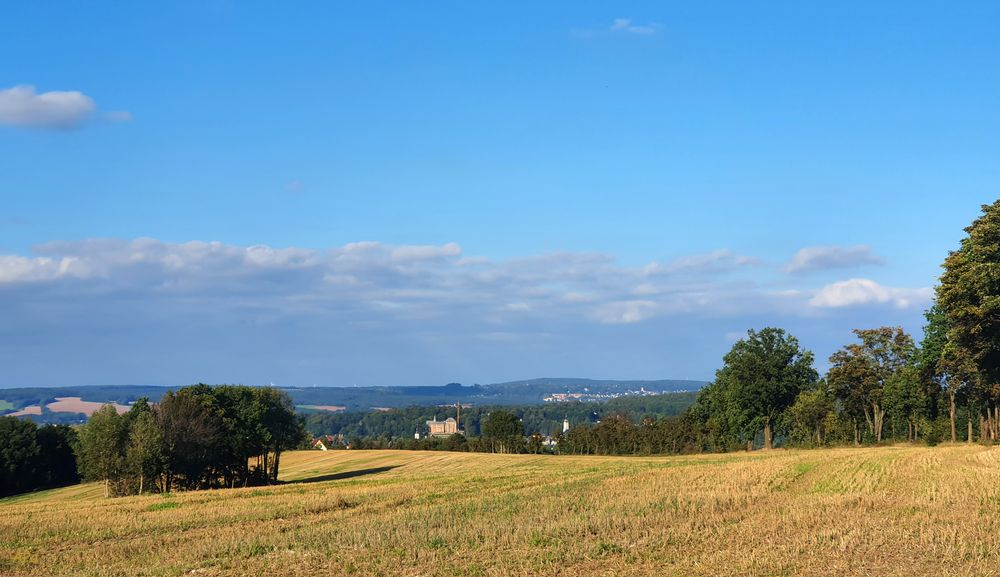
(882, 511)
(6, 405)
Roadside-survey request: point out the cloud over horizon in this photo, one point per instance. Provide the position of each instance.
(433, 302)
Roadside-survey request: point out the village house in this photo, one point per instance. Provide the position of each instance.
(327, 442)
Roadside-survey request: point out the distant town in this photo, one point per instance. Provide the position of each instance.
(595, 397)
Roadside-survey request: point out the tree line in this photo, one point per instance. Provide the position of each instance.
(401, 424)
(33, 457)
(198, 437)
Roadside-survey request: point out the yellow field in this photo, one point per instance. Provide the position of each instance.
(884, 511)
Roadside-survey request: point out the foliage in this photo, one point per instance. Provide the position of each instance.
(102, 448)
(860, 372)
(144, 451)
(759, 380)
(969, 298)
(502, 432)
(809, 415)
(198, 437)
(33, 457)
(19, 452)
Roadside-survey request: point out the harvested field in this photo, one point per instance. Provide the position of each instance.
(75, 405)
(331, 408)
(889, 511)
(68, 405)
(30, 410)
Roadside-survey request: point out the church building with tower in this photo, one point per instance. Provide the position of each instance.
(447, 427)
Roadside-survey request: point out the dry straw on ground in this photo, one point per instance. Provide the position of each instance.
(881, 511)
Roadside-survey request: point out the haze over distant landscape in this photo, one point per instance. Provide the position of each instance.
(367, 196)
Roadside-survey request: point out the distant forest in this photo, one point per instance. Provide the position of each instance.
(543, 419)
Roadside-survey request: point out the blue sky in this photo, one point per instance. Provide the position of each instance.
(385, 193)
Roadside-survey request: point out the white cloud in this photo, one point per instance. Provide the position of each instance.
(22, 106)
(862, 291)
(625, 25)
(716, 261)
(831, 257)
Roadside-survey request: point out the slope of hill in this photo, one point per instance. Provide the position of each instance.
(876, 511)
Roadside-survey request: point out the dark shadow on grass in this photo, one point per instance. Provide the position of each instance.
(344, 475)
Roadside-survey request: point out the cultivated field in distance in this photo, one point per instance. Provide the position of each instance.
(870, 511)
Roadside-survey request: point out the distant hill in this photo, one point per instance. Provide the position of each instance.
(308, 399)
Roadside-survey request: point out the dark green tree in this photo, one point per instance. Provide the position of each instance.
(191, 427)
(933, 367)
(906, 400)
(502, 432)
(810, 411)
(57, 458)
(759, 380)
(283, 429)
(969, 297)
(19, 454)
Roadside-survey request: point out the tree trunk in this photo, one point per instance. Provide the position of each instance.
(277, 457)
(968, 439)
(768, 441)
(951, 413)
(141, 478)
(107, 487)
(878, 417)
